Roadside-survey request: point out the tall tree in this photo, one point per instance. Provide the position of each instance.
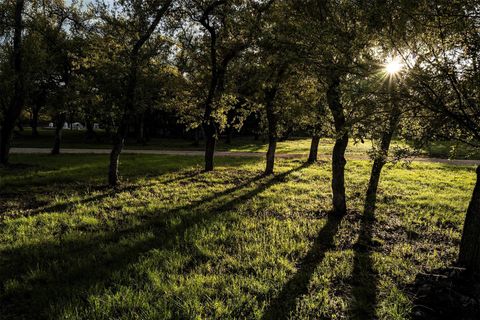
(17, 101)
(444, 79)
(229, 28)
(141, 19)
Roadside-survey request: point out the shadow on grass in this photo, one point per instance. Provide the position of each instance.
(39, 280)
(284, 303)
(364, 279)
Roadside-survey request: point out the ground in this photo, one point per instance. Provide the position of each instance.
(175, 242)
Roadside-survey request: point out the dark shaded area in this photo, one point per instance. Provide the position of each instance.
(443, 294)
(364, 279)
(70, 269)
(285, 301)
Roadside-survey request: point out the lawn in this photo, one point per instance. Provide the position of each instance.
(301, 145)
(175, 242)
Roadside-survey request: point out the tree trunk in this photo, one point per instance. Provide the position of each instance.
(90, 133)
(341, 143)
(210, 141)
(118, 143)
(272, 146)
(381, 159)
(34, 121)
(338, 175)
(313, 155)
(272, 129)
(469, 256)
(15, 108)
(371, 196)
(59, 122)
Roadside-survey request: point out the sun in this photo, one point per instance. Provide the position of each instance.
(393, 67)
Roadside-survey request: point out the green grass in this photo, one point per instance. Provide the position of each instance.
(301, 145)
(175, 242)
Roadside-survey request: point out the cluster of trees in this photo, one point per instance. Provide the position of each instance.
(314, 65)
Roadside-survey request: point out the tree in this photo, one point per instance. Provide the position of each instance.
(16, 103)
(444, 79)
(138, 22)
(228, 29)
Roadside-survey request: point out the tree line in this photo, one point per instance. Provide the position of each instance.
(351, 69)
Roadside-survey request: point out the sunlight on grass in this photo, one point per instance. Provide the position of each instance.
(175, 242)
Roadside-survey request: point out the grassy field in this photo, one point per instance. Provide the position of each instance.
(75, 139)
(175, 242)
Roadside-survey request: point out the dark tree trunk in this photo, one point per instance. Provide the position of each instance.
(313, 155)
(59, 122)
(380, 160)
(117, 147)
(34, 121)
(210, 141)
(272, 146)
(469, 256)
(338, 175)
(272, 130)
(90, 133)
(341, 143)
(15, 108)
(122, 130)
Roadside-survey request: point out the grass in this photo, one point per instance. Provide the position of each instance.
(75, 139)
(175, 242)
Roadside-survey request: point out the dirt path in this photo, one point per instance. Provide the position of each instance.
(229, 154)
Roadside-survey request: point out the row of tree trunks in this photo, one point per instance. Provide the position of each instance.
(341, 143)
(16, 105)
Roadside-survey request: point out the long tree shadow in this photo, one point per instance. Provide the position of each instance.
(48, 276)
(364, 279)
(106, 191)
(284, 303)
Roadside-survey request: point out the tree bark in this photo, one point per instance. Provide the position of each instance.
(16, 105)
(469, 256)
(59, 122)
(272, 130)
(210, 141)
(381, 159)
(341, 143)
(90, 132)
(118, 143)
(34, 121)
(313, 155)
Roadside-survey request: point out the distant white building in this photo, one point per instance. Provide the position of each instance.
(77, 126)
